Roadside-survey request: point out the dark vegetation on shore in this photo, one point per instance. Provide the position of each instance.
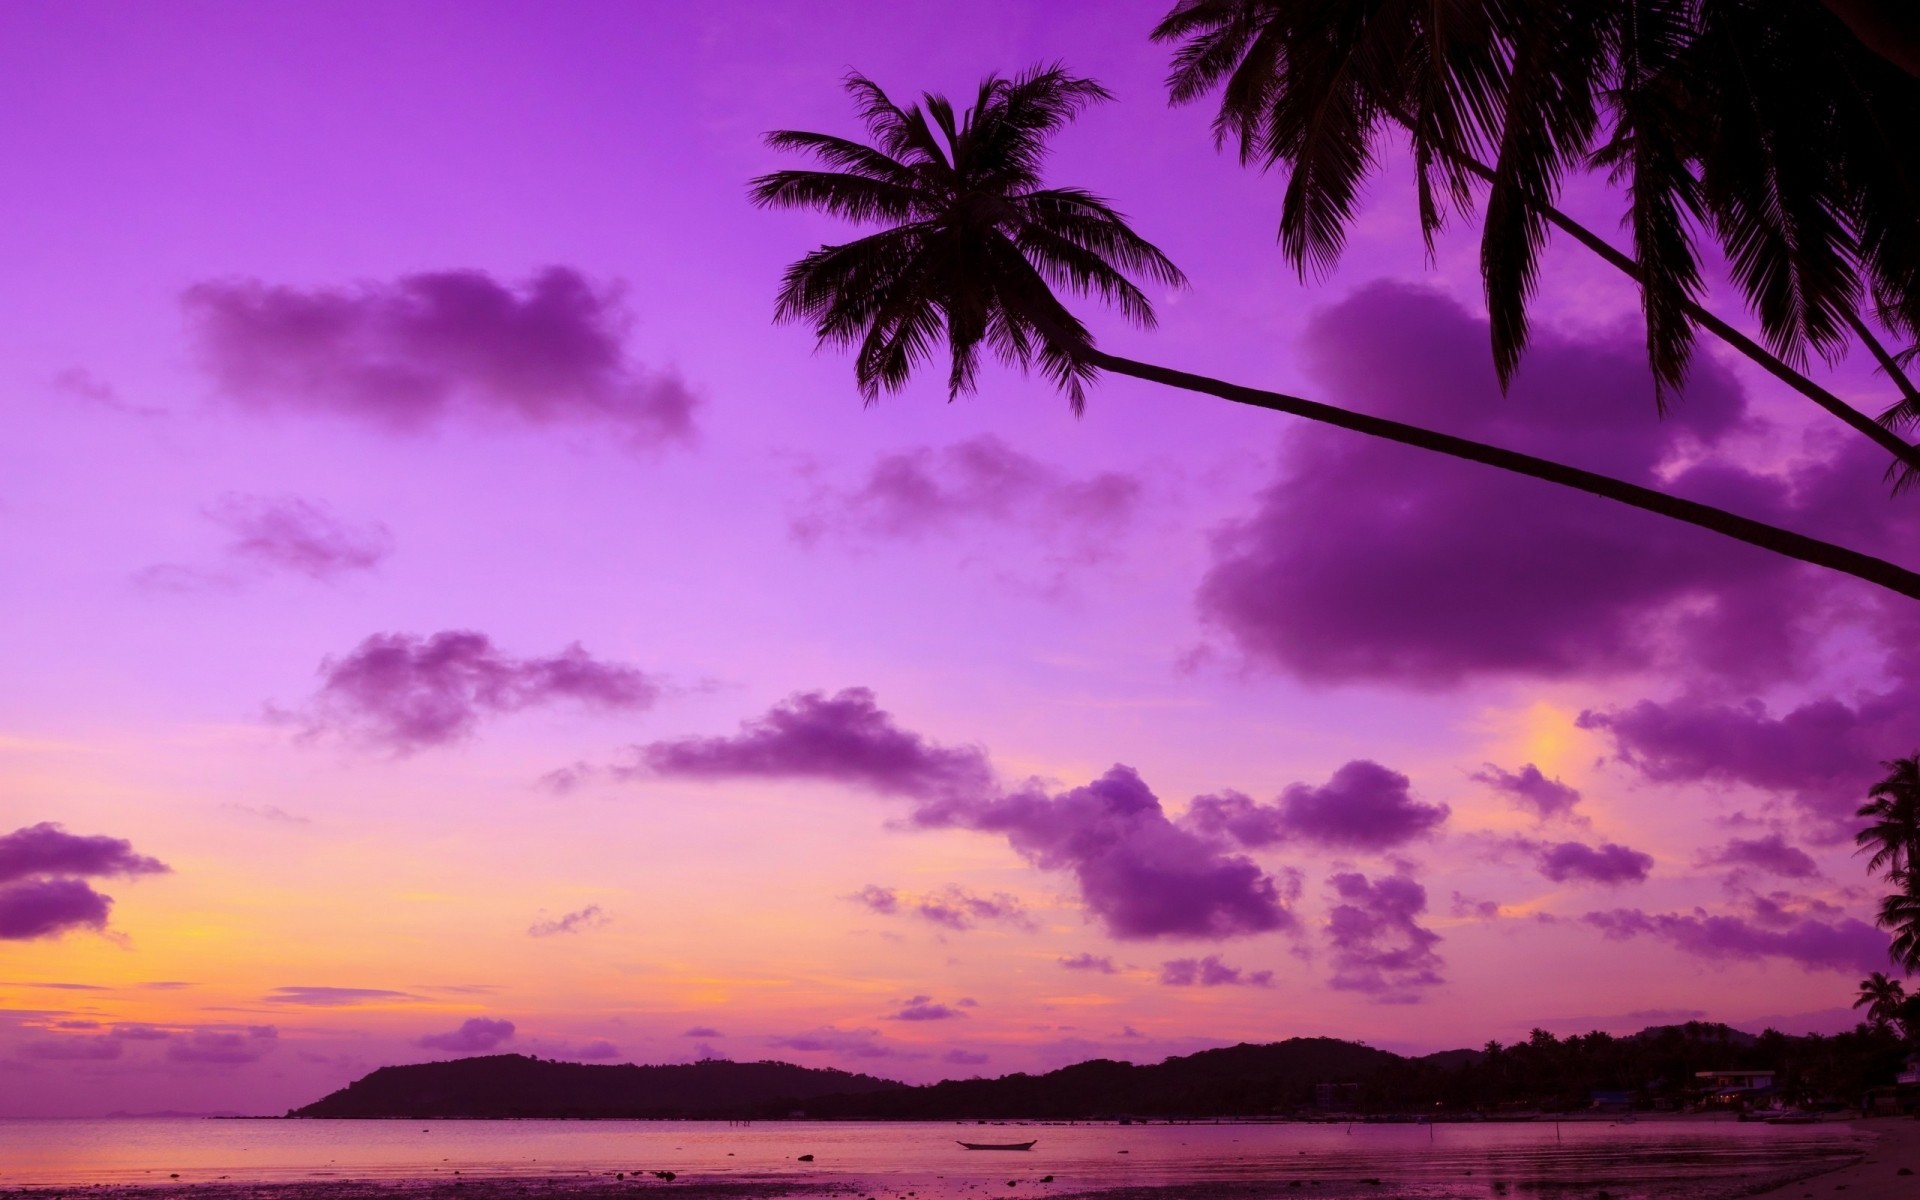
(1655, 1067)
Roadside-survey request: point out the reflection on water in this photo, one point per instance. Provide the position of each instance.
(1645, 1159)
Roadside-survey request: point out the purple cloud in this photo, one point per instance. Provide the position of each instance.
(40, 908)
(964, 1058)
(334, 997)
(590, 917)
(982, 480)
(1770, 854)
(1139, 873)
(703, 1031)
(1210, 972)
(412, 353)
(845, 738)
(1100, 964)
(1608, 863)
(1844, 945)
(74, 1049)
(407, 693)
(47, 849)
(590, 1051)
(1545, 798)
(875, 898)
(1363, 807)
(208, 1046)
(922, 1008)
(851, 1043)
(953, 907)
(1823, 755)
(287, 533)
(1379, 946)
(1478, 910)
(476, 1035)
(1366, 561)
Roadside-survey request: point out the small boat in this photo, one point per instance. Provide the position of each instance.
(999, 1145)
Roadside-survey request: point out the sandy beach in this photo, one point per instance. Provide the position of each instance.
(1889, 1171)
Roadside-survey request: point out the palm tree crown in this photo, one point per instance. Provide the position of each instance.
(974, 245)
(1881, 997)
(1893, 808)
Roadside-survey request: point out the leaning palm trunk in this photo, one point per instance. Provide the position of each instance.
(1754, 533)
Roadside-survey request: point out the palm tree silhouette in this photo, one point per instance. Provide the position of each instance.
(973, 246)
(1766, 123)
(1882, 998)
(1893, 807)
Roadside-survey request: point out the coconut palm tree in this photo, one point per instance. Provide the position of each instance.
(1893, 808)
(1765, 123)
(1900, 913)
(971, 247)
(1882, 998)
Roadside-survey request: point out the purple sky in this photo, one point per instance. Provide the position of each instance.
(444, 615)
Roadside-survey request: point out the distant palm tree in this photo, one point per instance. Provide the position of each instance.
(971, 247)
(1893, 807)
(1765, 123)
(1882, 998)
(1900, 913)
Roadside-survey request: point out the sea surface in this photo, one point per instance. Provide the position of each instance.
(1643, 1160)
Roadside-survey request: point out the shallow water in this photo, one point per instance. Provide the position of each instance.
(1639, 1161)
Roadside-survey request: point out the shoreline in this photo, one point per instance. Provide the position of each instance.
(1875, 1175)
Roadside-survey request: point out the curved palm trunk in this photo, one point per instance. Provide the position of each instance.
(1754, 533)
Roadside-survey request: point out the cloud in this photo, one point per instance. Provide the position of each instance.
(40, 908)
(1822, 755)
(47, 849)
(981, 481)
(703, 1031)
(1608, 863)
(335, 997)
(964, 1058)
(1846, 945)
(1770, 854)
(589, 917)
(845, 738)
(1210, 972)
(425, 348)
(1474, 909)
(103, 1048)
(1532, 791)
(1379, 947)
(1364, 807)
(1366, 561)
(952, 907)
(922, 1008)
(590, 1051)
(141, 1033)
(476, 1035)
(407, 693)
(288, 533)
(1086, 961)
(1139, 873)
(851, 1043)
(875, 898)
(224, 1047)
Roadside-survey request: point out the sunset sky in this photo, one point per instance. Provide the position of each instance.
(445, 614)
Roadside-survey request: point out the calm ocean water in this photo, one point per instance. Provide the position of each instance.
(1643, 1159)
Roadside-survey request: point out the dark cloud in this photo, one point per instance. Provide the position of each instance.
(74, 1049)
(595, 1050)
(703, 1031)
(407, 693)
(334, 997)
(984, 481)
(1379, 946)
(1821, 755)
(1100, 963)
(590, 917)
(37, 908)
(1364, 806)
(47, 849)
(1608, 863)
(1142, 875)
(288, 533)
(923, 1008)
(141, 1033)
(1210, 972)
(845, 738)
(1532, 791)
(1845, 945)
(421, 349)
(1770, 854)
(476, 1035)
(208, 1046)
(1368, 561)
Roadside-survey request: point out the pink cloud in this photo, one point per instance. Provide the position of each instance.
(288, 533)
(1379, 947)
(578, 921)
(413, 352)
(1099, 964)
(1364, 806)
(1210, 972)
(923, 1008)
(1532, 791)
(952, 907)
(408, 693)
(1770, 854)
(476, 1035)
(1846, 945)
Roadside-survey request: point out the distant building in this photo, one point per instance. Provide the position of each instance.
(1608, 1101)
(1735, 1088)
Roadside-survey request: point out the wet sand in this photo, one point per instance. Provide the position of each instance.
(1874, 1177)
